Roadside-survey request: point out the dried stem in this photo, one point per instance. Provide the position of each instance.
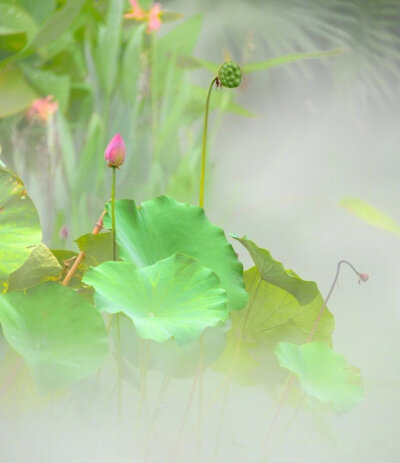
(81, 255)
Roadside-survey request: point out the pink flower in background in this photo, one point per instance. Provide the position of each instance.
(64, 232)
(137, 12)
(153, 16)
(42, 109)
(115, 151)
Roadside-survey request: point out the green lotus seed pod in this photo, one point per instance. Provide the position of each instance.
(229, 74)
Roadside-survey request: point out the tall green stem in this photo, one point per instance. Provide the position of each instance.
(113, 214)
(204, 144)
(117, 327)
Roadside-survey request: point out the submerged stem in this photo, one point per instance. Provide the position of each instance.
(204, 144)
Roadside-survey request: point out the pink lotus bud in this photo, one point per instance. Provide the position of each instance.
(363, 276)
(115, 151)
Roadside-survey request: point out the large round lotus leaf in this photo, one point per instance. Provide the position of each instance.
(61, 336)
(323, 373)
(175, 297)
(162, 227)
(20, 229)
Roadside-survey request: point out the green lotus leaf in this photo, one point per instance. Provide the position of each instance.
(323, 373)
(59, 334)
(41, 266)
(272, 315)
(162, 227)
(20, 229)
(274, 272)
(175, 297)
(98, 248)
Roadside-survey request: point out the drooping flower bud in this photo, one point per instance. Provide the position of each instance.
(363, 276)
(229, 74)
(115, 151)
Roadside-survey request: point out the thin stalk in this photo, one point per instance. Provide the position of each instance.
(221, 424)
(117, 325)
(156, 412)
(185, 415)
(113, 214)
(200, 410)
(204, 144)
(145, 349)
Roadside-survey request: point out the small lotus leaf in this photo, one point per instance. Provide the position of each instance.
(323, 373)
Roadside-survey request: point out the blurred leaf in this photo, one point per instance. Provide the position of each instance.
(180, 40)
(280, 60)
(175, 297)
(58, 23)
(16, 94)
(145, 4)
(90, 160)
(274, 272)
(162, 227)
(19, 225)
(60, 335)
(39, 10)
(48, 83)
(272, 315)
(131, 65)
(64, 131)
(98, 248)
(323, 373)
(15, 19)
(169, 16)
(190, 62)
(40, 266)
(108, 44)
(183, 37)
(11, 43)
(371, 215)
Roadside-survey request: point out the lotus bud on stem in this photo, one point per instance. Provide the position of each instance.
(115, 156)
(229, 75)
